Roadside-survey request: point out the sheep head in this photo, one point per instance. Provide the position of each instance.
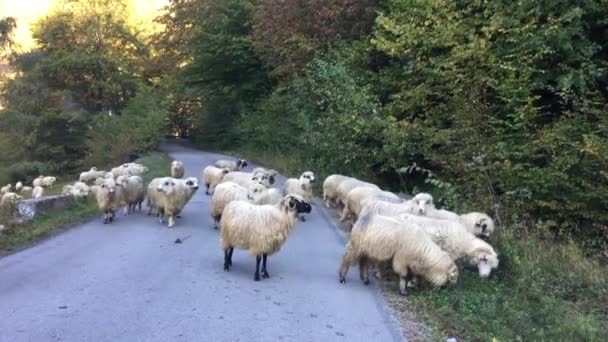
(422, 200)
(296, 204)
(168, 186)
(486, 260)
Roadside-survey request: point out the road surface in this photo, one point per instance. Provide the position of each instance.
(129, 281)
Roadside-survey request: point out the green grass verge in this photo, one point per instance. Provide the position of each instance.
(543, 290)
(16, 236)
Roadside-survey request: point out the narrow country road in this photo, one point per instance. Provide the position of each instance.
(129, 281)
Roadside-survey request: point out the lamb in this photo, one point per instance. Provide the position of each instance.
(227, 192)
(133, 192)
(479, 224)
(419, 204)
(346, 186)
(5, 189)
(108, 199)
(18, 186)
(330, 187)
(212, 176)
(356, 198)
(171, 198)
(48, 181)
(9, 199)
(302, 187)
(261, 229)
(232, 165)
(91, 175)
(377, 238)
(459, 243)
(245, 179)
(37, 181)
(38, 192)
(177, 169)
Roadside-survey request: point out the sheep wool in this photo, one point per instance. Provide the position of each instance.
(377, 238)
(38, 192)
(357, 196)
(37, 181)
(177, 169)
(225, 193)
(347, 186)
(232, 165)
(261, 229)
(212, 176)
(48, 181)
(330, 187)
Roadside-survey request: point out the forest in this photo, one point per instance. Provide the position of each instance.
(488, 105)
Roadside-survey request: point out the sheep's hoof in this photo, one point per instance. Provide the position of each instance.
(226, 267)
(111, 219)
(105, 221)
(342, 280)
(265, 274)
(178, 216)
(366, 282)
(256, 277)
(230, 263)
(302, 218)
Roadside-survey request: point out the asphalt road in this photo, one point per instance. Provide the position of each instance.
(129, 281)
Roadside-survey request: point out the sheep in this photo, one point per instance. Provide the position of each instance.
(108, 198)
(359, 195)
(330, 187)
(191, 184)
(77, 190)
(232, 165)
(261, 229)
(120, 171)
(177, 169)
(37, 181)
(419, 204)
(5, 189)
(227, 192)
(26, 189)
(171, 199)
(459, 243)
(91, 175)
(268, 196)
(212, 176)
(18, 186)
(301, 186)
(9, 199)
(133, 192)
(153, 196)
(377, 238)
(479, 224)
(346, 186)
(47, 182)
(38, 192)
(135, 169)
(270, 174)
(245, 179)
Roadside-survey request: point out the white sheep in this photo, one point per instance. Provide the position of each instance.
(191, 184)
(212, 176)
(261, 229)
(302, 186)
(108, 197)
(245, 179)
(26, 189)
(419, 205)
(173, 194)
(177, 169)
(136, 169)
(359, 195)
(266, 195)
(227, 192)
(269, 174)
(91, 175)
(454, 238)
(133, 192)
(153, 195)
(18, 186)
(38, 192)
(6, 188)
(47, 182)
(347, 186)
(78, 190)
(330, 188)
(9, 199)
(380, 238)
(232, 165)
(479, 224)
(37, 181)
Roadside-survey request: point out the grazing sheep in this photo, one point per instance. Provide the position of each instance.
(6, 188)
(37, 181)
(9, 199)
(346, 186)
(419, 205)
(91, 175)
(225, 193)
(108, 200)
(18, 186)
(177, 169)
(377, 238)
(261, 229)
(245, 179)
(47, 182)
(357, 196)
(212, 176)
(479, 224)
(302, 187)
(133, 192)
(459, 243)
(171, 198)
(232, 165)
(330, 187)
(38, 192)
(26, 189)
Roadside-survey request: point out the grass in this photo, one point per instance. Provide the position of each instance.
(543, 290)
(16, 236)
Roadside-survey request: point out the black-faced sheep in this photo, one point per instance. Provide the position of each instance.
(302, 186)
(261, 229)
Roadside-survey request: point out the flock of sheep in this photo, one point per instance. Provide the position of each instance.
(419, 239)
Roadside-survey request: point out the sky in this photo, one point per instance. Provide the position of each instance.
(27, 12)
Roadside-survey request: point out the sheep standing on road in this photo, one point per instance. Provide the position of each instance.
(261, 229)
(301, 187)
(246, 179)
(177, 169)
(133, 192)
(108, 200)
(232, 165)
(173, 194)
(377, 238)
(212, 176)
(225, 193)
(330, 188)
(347, 186)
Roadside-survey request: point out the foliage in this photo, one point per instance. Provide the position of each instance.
(7, 26)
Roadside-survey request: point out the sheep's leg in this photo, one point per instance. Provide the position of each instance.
(402, 271)
(126, 210)
(105, 217)
(347, 260)
(227, 262)
(171, 220)
(207, 189)
(402, 287)
(264, 272)
(364, 270)
(344, 214)
(256, 276)
(112, 215)
(302, 218)
(230, 256)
